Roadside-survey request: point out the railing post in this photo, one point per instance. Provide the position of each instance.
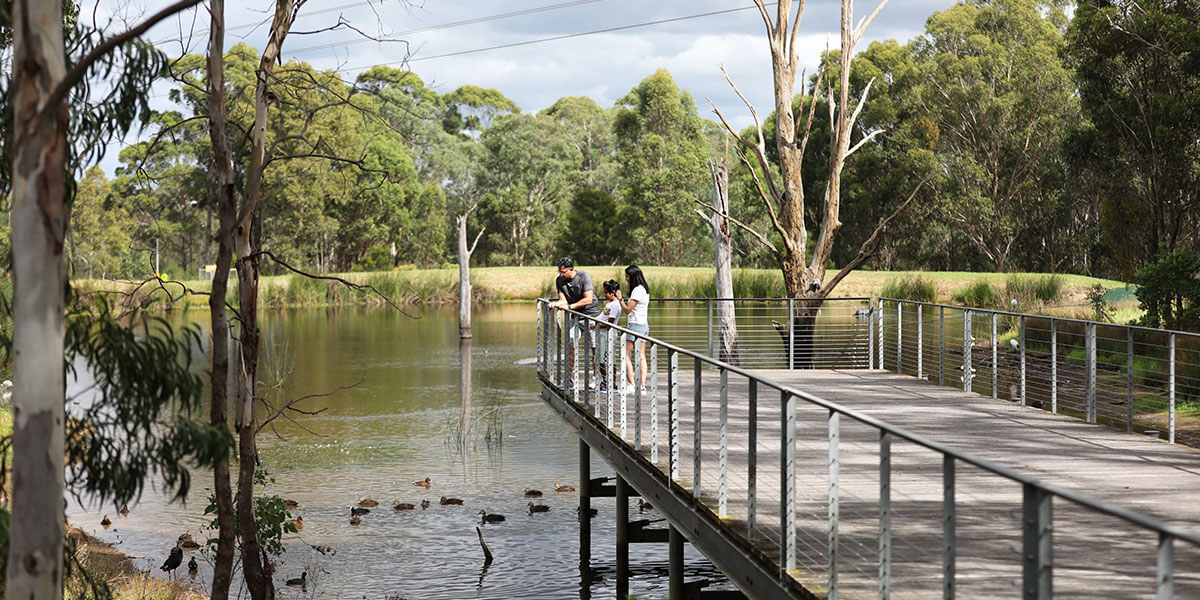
(654, 404)
(1090, 372)
(995, 361)
(1054, 366)
(723, 476)
(787, 483)
(560, 318)
(752, 459)
(588, 361)
(899, 336)
(710, 327)
(1171, 389)
(1165, 579)
(967, 344)
(920, 341)
(697, 430)
(885, 513)
(639, 348)
(673, 414)
(1037, 548)
(1021, 333)
(834, 505)
(941, 345)
(880, 348)
(871, 336)
(540, 325)
(614, 381)
(1128, 379)
(625, 357)
(573, 330)
(949, 523)
(791, 343)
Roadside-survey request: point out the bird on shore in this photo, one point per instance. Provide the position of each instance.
(105, 522)
(533, 508)
(424, 483)
(487, 517)
(367, 502)
(564, 488)
(424, 504)
(533, 493)
(173, 560)
(355, 511)
(448, 501)
(300, 581)
(398, 505)
(193, 568)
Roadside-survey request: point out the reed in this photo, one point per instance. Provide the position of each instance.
(980, 294)
(915, 287)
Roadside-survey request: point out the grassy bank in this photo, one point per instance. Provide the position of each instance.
(525, 283)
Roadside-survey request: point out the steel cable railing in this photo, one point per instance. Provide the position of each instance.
(861, 516)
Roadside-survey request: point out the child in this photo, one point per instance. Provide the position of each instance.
(608, 316)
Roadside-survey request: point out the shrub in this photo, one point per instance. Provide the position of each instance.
(1169, 291)
(980, 294)
(910, 287)
(1034, 290)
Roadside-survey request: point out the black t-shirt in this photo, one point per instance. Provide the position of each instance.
(574, 290)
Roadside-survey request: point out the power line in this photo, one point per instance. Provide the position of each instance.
(392, 36)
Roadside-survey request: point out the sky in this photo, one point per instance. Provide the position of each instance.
(450, 43)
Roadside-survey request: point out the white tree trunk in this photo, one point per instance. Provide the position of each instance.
(722, 242)
(39, 218)
(464, 280)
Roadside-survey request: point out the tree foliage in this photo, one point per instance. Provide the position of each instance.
(1169, 291)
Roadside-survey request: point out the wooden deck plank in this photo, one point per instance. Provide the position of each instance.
(1094, 556)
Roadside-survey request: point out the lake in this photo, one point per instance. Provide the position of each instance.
(403, 417)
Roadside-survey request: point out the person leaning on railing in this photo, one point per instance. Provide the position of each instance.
(575, 292)
(637, 306)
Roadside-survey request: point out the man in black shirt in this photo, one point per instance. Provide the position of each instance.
(575, 292)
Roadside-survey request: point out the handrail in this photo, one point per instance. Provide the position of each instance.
(1037, 491)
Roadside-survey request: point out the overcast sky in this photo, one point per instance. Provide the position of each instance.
(454, 42)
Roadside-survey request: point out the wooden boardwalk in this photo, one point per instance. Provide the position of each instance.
(1094, 555)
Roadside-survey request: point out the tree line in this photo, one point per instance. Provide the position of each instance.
(1052, 144)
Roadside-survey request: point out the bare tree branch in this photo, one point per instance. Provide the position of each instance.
(362, 287)
(869, 246)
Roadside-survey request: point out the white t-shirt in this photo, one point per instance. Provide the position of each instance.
(610, 314)
(640, 314)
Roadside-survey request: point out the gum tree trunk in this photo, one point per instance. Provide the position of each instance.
(722, 243)
(464, 274)
(226, 210)
(39, 219)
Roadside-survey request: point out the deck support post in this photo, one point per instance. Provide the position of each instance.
(585, 507)
(622, 538)
(675, 569)
(1037, 544)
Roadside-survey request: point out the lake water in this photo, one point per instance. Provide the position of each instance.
(406, 418)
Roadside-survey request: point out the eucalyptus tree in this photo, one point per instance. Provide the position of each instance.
(661, 149)
(998, 97)
(99, 240)
(1139, 82)
(590, 130)
(43, 101)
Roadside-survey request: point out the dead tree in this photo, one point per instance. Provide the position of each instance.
(464, 272)
(722, 244)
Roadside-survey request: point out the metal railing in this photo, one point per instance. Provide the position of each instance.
(1135, 377)
(834, 517)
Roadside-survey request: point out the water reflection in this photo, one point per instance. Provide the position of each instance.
(467, 416)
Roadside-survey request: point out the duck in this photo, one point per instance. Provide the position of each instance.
(289, 504)
(173, 559)
(125, 510)
(105, 522)
(424, 504)
(644, 506)
(300, 581)
(538, 508)
(189, 544)
(533, 493)
(564, 488)
(192, 566)
(354, 520)
(355, 511)
(448, 501)
(367, 502)
(487, 517)
(591, 513)
(398, 505)
(423, 483)
(298, 522)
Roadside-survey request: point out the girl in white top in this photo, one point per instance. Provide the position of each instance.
(637, 306)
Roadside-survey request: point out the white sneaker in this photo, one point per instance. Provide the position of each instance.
(642, 390)
(626, 388)
(592, 384)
